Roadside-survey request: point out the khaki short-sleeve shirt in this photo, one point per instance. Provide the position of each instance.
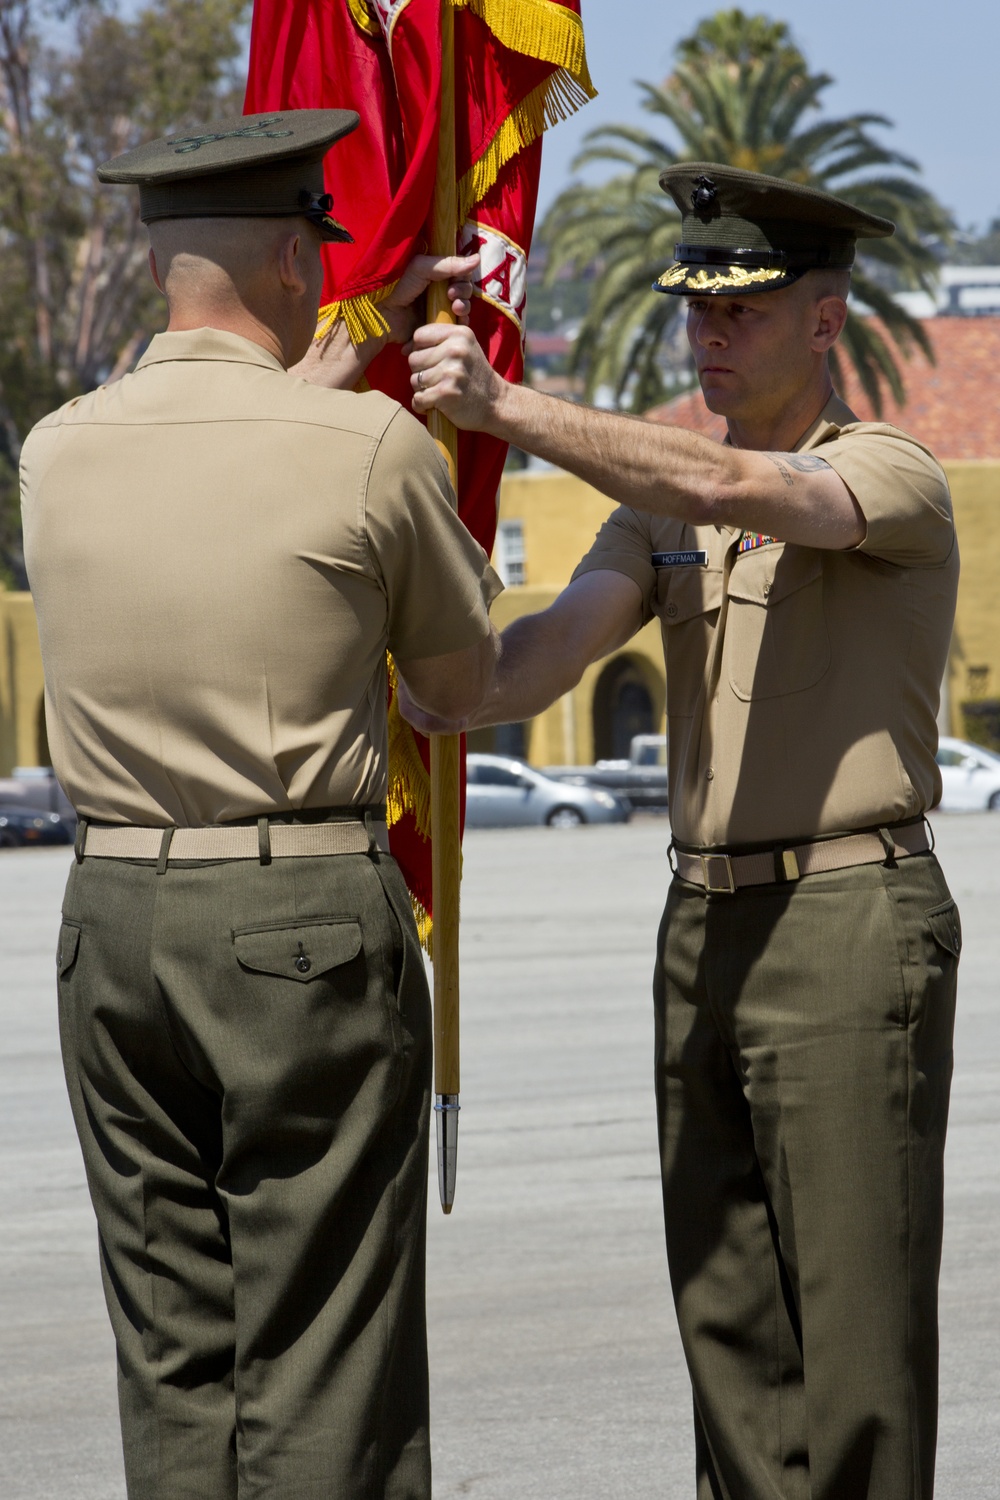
(803, 684)
(220, 556)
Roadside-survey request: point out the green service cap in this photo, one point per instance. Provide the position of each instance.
(744, 232)
(252, 166)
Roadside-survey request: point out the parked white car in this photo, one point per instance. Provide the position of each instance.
(970, 776)
(502, 792)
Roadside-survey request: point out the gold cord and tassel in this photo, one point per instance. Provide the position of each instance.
(360, 314)
(409, 792)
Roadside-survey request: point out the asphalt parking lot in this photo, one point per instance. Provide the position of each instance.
(556, 1369)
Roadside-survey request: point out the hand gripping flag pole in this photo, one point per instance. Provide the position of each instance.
(446, 846)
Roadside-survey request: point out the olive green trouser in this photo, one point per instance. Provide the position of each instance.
(803, 1067)
(247, 1049)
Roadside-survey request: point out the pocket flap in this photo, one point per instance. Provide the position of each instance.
(769, 574)
(69, 942)
(684, 593)
(302, 951)
(946, 927)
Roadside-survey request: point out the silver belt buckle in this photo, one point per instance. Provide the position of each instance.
(707, 860)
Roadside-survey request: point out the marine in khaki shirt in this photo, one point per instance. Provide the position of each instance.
(221, 553)
(804, 576)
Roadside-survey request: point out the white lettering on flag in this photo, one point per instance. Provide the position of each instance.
(502, 277)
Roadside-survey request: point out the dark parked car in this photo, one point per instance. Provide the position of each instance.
(21, 827)
(640, 782)
(36, 786)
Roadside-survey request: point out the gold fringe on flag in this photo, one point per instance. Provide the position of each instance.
(361, 315)
(556, 99)
(409, 792)
(425, 925)
(536, 28)
(409, 784)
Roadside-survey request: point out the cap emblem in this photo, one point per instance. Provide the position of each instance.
(703, 194)
(249, 132)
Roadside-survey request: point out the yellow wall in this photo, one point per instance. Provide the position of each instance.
(21, 689)
(560, 516)
(975, 657)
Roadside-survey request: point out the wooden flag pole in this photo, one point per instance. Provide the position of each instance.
(446, 849)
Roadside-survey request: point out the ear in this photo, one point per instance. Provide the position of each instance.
(289, 264)
(830, 317)
(153, 271)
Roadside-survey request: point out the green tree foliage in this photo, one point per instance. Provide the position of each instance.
(76, 301)
(741, 93)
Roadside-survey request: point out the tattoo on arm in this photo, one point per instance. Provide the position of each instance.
(805, 463)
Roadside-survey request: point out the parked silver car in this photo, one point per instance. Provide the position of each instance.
(502, 793)
(970, 776)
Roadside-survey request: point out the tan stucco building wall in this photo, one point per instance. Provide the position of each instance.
(22, 712)
(559, 517)
(975, 655)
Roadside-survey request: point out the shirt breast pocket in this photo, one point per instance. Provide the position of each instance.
(777, 640)
(687, 603)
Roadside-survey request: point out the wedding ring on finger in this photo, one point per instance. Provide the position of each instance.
(420, 380)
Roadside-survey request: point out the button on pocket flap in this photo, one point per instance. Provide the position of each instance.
(946, 927)
(769, 574)
(302, 951)
(69, 942)
(684, 593)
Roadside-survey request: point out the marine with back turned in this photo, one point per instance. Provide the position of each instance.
(220, 557)
(804, 576)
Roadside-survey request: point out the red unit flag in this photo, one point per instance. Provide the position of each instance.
(520, 65)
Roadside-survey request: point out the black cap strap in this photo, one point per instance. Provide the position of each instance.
(837, 258)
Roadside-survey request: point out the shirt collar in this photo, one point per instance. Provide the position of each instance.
(835, 415)
(207, 343)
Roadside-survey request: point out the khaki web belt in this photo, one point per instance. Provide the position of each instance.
(262, 841)
(722, 874)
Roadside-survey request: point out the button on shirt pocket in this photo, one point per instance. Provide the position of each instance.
(302, 951)
(776, 634)
(687, 603)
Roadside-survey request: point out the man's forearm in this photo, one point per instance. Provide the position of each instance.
(533, 670)
(645, 465)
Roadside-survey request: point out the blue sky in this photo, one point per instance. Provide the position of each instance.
(934, 70)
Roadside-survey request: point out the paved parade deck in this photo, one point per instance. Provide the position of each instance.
(556, 1371)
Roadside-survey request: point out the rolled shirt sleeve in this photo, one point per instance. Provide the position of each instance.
(902, 493)
(624, 545)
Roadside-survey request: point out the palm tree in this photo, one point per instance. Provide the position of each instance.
(741, 93)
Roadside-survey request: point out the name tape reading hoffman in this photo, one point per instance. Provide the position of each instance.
(680, 559)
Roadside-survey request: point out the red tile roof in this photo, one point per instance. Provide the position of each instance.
(953, 406)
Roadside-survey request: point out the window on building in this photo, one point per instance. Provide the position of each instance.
(509, 554)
